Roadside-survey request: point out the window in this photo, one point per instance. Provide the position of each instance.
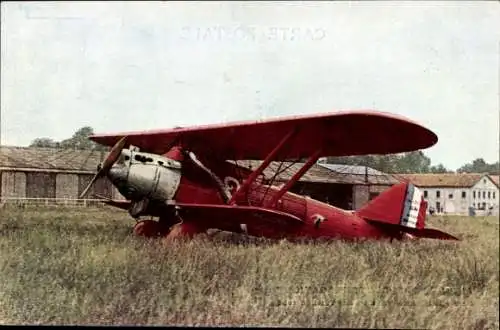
(450, 196)
(484, 194)
(464, 194)
(494, 195)
(474, 194)
(474, 205)
(484, 206)
(438, 194)
(489, 194)
(484, 181)
(438, 207)
(425, 193)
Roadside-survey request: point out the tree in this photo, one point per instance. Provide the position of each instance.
(479, 165)
(79, 140)
(44, 143)
(439, 169)
(409, 162)
(412, 162)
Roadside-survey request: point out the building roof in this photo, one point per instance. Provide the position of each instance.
(50, 158)
(442, 179)
(332, 173)
(352, 169)
(495, 179)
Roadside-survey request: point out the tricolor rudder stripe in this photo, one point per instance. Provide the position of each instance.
(411, 208)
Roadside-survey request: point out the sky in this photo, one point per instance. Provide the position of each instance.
(132, 66)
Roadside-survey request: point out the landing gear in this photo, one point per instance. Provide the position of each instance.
(183, 231)
(138, 208)
(151, 228)
(147, 228)
(170, 226)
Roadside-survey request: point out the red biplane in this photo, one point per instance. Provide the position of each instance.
(190, 180)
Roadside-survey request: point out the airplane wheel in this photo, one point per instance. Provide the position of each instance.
(166, 223)
(183, 231)
(147, 228)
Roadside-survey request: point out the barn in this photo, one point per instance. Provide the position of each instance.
(48, 174)
(51, 175)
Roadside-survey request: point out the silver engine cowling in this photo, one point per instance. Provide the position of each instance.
(140, 176)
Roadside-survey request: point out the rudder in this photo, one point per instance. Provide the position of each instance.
(402, 204)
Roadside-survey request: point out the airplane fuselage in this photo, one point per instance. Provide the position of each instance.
(159, 179)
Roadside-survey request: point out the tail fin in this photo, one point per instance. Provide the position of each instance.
(402, 205)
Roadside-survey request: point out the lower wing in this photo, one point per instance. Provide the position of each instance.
(252, 220)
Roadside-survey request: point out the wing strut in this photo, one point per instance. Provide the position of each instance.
(310, 162)
(251, 178)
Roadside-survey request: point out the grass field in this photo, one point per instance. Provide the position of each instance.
(83, 266)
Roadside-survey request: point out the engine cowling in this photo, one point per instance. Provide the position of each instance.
(141, 175)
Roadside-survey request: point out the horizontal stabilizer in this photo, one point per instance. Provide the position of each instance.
(419, 233)
(431, 233)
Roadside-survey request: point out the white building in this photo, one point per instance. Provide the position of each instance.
(452, 193)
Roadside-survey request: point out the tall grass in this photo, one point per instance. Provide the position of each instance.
(83, 266)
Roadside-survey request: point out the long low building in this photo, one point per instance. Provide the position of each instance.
(47, 173)
(458, 193)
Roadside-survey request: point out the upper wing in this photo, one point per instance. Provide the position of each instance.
(338, 133)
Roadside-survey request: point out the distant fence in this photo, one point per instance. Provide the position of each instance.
(67, 202)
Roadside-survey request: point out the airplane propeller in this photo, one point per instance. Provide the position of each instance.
(107, 164)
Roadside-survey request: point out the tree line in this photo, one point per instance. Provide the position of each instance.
(408, 162)
(413, 162)
(79, 141)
